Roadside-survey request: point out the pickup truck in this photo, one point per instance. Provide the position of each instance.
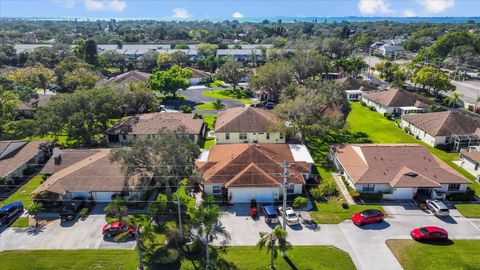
(71, 209)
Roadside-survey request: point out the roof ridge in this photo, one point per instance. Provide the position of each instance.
(250, 166)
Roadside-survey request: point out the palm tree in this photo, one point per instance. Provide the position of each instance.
(218, 104)
(117, 208)
(455, 98)
(274, 242)
(33, 210)
(204, 219)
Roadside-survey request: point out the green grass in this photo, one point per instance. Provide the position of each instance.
(205, 106)
(209, 119)
(23, 193)
(62, 140)
(21, 222)
(469, 210)
(303, 257)
(208, 143)
(458, 254)
(229, 94)
(69, 259)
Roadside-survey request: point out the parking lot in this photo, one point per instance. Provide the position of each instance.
(78, 234)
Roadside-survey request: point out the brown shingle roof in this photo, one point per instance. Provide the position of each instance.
(245, 119)
(94, 173)
(68, 158)
(130, 76)
(153, 123)
(398, 98)
(473, 155)
(248, 165)
(197, 73)
(445, 123)
(395, 164)
(349, 83)
(14, 154)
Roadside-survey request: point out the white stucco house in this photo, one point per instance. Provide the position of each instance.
(438, 128)
(247, 125)
(398, 171)
(354, 95)
(470, 160)
(90, 174)
(199, 76)
(239, 173)
(396, 102)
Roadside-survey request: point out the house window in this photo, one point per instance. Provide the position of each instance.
(242, 136)
(290, 189)
(453, 187)
(216, 189)
(268, 136)
(227, 136)
(368, 188)
(281, 136)
(124, 137)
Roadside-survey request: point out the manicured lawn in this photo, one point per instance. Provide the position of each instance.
(69, 259)
(205, 106)
(208, 143)
(469, 210)
(458, 254)
(21, 222)
(23, 193)
(209, 119)
(62, 140)
(228, 94)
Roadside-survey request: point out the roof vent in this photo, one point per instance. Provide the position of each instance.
(57, 156)
(411, 174)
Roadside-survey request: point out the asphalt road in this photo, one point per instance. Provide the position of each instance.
(195, 97)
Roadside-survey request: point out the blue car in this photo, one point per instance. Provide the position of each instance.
(270, 213)
(10, 212)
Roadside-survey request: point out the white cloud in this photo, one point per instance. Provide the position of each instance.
(409, 13)
(437, 6)
(65, 3)
(237, 15)
(181, 13)
(370, 7)
(99, 5)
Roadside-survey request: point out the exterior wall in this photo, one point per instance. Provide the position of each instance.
(379, 107)
(260, 137)
(277, 192)
(354, 97)
(103, 196)
(18, 172)
(423, 135)
(444, 188)
(470, 165)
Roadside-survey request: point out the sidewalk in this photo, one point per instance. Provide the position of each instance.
(343, 189)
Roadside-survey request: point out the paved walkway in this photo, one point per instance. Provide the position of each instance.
(343, 189)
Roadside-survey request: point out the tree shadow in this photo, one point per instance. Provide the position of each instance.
(290, 263)
(35, 230)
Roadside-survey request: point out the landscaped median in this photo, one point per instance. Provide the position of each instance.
(299, 257)
(457, 254)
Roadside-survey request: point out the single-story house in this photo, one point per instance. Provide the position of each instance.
(240, 54)
(439, 128)
(247, 125)
(470, 160)
(132, 76)
(29, 108)
(354, 95)
(241, 172)
(18, 156)
(397, 102)
(390, 51)
(199, 76)
(152, 124)
(398, 171)
(90, 174)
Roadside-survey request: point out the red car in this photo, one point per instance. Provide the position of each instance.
(429, 233)
(116, 228)
(367, 216)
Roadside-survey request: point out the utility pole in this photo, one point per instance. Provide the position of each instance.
(285, 175)
(139, 249)
(180, 229)
(369, 58)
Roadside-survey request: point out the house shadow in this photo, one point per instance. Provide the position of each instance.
(447, 219)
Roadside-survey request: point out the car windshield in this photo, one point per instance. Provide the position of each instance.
(291, 215)
(367, 214)
(424, 230)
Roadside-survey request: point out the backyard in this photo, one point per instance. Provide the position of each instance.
(458, 254)
(23, 193)
(301, 257)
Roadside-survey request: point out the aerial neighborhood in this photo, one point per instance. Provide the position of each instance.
(234, 144)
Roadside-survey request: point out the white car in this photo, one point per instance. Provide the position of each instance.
(438, 208)
(292, 218)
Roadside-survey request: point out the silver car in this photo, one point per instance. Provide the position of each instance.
(438, 208)
(292, 218)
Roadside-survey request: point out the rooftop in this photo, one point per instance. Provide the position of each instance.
(398, 98)
(245, 119)
(445, 123)
(14, 154)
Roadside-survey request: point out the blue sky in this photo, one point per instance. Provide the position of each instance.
(198, 9)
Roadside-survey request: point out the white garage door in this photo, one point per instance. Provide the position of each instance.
(265, 196)
(103, 196)
(245, 195)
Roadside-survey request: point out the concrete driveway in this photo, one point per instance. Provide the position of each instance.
(366, 245)
(80, 234)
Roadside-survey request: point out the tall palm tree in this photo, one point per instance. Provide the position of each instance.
(117, 208)
(204, 219)
(274, 242)
(33, 210)
(218, 104)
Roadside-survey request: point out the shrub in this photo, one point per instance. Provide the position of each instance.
(363, 103)
(388, 116)
(355, 194)
(300, 202)
(84, 212)
(345, 205)
(371, 108)
(406, 129)
(371, 197)
(324, 191)
(186, 109)
(216, 84)
(459, 196)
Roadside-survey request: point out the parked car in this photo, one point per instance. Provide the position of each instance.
(270, 213)
(368, 216)
(10, 212)
(253, 208)
(429, 233)
(72, 208)
(438, 208)
(292, 218)
(116, 228)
